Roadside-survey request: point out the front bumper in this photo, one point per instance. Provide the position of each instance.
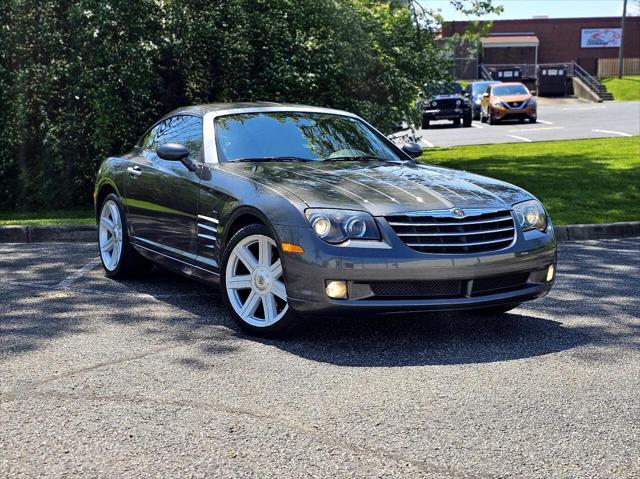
(364, 264)
(445, 114)
(501, 113)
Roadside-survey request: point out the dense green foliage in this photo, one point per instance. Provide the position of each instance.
(82, 79)
(579, 181)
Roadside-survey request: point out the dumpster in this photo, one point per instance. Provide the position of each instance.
(552, 80)
(511, 74)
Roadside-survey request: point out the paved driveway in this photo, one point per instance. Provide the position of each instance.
(558, 120)
(147, 378)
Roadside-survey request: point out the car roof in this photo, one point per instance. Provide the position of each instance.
(201, 110)
(513, 83)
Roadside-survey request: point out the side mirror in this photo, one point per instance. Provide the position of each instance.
(176, 152)
(172, 151)
(412, 149)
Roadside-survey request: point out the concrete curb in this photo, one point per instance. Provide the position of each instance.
(40, 234)
(594, 232)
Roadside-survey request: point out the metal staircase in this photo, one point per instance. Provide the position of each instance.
(484, 73)
(592, 83)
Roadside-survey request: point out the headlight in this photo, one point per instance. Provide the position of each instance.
(458, 102)
(337, 226)
(434, 103)
(531, 215)
(531, 101)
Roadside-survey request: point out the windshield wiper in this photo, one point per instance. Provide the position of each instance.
(273, 158)
(360, 158)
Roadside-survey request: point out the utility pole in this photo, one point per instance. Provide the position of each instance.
(621, 49)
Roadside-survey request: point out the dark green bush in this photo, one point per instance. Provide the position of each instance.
(82, 79)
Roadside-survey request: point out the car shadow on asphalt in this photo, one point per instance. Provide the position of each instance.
(175, 309)
(428, 339)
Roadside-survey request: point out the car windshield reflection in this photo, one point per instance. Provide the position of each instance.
(298, 136)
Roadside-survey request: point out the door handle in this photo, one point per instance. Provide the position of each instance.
(134, 171)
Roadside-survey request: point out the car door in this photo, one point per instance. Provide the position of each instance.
(162, 195)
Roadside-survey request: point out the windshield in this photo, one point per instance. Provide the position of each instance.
(510, 90)
(443, 88)
(480, 88)
(293, 136)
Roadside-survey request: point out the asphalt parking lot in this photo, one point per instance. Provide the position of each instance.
(559, 119)
(148, 378)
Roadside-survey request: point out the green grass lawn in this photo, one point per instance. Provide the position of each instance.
(51, 217)
(624, 89)
(579, 181)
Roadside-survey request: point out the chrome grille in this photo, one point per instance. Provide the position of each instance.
(475, 233)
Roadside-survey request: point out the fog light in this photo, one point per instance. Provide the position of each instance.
(336, 289)
(550, 273)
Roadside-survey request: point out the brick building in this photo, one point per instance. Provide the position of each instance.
(555, 40)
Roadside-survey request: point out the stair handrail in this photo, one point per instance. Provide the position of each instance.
(484, 73)
(592, 83)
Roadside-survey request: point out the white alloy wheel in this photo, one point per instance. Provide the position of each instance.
(254, 284)
(110, 235)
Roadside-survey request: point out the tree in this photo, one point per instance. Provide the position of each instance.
(82, 79)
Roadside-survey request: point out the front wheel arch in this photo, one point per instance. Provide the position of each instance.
(241, 217)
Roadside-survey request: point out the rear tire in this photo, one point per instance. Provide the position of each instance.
(466, 122)
(119, 258)
(252, 282)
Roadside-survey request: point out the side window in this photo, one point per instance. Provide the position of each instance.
(146, 142)
(183, 129)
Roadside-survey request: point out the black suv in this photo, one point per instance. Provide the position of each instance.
(444, 101)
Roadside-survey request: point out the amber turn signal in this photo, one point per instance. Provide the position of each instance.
(291, 248)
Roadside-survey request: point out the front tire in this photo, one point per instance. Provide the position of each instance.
(252, 280)
(119, 259)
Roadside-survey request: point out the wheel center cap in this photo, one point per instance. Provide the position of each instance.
(262, 279)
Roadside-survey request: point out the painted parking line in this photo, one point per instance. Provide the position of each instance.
(537, 129)
(601, 107)
(521, 138)
(69, 280)
(611, 132)
(476, 125)
(545, 122)
(426, 142)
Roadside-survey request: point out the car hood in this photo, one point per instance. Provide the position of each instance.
(511, 98)
(447, 96)
(382, 188)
